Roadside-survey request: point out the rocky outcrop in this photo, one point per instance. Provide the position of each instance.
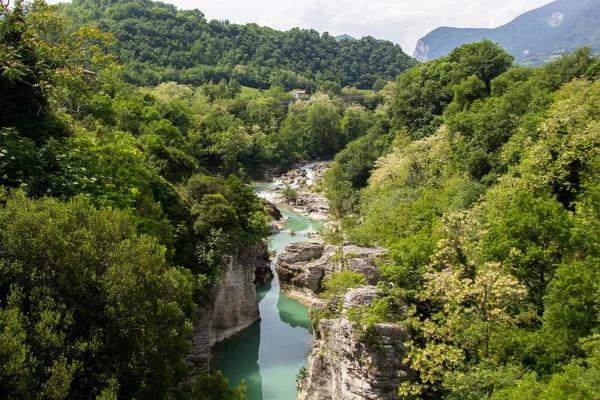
(313, 205)
(421, 51)
(272, 210)
(235, 306)
(343, 366)
(533, 38)
(303, 178)
(307, 174)
(231, 305)
(301, 267)
(260, 261)
(277, 220)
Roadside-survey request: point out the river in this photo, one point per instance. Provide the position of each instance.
(269, 354)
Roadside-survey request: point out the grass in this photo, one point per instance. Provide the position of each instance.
(249, 92)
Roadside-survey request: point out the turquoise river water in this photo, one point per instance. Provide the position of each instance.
(269, 354)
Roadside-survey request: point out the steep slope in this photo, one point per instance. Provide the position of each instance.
(534, 37)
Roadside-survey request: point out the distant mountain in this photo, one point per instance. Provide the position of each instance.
(344, 36)
(535, 37)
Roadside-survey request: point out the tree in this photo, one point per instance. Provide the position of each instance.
(210, 387)
(39, 57)
(484, 59)
(378, 85)
(529, 235)
(214, 212)
(290, 193)
(355, 123)
(330, 88)
(324, 136)
(90, 305)
(470, 310)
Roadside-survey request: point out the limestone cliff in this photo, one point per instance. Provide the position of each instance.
(343, 366)
(301, 267)
(231, 305)
(421, 52)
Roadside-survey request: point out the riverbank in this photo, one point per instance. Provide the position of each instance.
(308, 200)
(269, 354)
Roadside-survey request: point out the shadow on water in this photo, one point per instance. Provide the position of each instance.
(245, 347)
(292, 312)
(262, 290)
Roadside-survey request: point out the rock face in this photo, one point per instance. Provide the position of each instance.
(272, 210)
(306, 174)
(235, 306)
(232, 304)
(301, 267)
(313, 205)
(535, 37)
(342, 366)
(421, 51)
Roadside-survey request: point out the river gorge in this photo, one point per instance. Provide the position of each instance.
(269, 353)
(270, 345)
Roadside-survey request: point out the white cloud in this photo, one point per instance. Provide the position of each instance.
(401, 21)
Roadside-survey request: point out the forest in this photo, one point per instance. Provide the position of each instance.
(488, 201)
(118, 202)
(121, 186)
(158, 43)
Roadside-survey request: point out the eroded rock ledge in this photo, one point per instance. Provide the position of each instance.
(342, 366)
(301, 267)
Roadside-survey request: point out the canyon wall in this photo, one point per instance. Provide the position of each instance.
(231, 305)
(345, 365)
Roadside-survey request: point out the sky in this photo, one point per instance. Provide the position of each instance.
(400, 21)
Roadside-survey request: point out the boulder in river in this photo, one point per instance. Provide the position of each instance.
(272, 210)
(301, 267)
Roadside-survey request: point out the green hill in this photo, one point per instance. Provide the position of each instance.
(535, 37)
(157, 43)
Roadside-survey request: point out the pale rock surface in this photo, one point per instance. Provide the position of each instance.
(301, 267)
(342, 366)
(232, 304)
(303, 178)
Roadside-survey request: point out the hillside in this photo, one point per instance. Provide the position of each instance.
(159, 43)
(534, 37)
(486, 202)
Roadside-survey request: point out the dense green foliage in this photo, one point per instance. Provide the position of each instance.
(158, 43)
(487, 200)
(90, 307)
(99, 282)
(130, 197)
(117, 204)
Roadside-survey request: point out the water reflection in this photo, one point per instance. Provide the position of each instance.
(270, 353)
(262, 290)
(245, 347)
(292, 312)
